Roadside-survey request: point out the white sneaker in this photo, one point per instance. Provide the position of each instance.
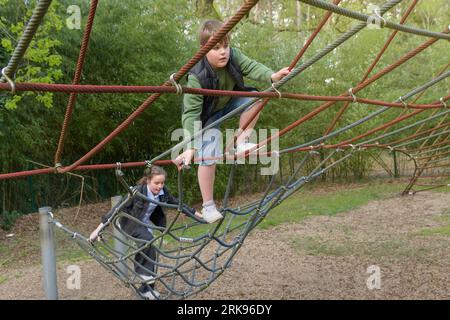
(244, 146)
(147, 279)
(210, 214)
(149, 295)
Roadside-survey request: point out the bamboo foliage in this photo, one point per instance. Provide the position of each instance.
(142, 43)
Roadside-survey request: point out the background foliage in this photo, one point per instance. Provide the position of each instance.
(142, 42)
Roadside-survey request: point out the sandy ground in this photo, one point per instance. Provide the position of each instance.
(323, 257)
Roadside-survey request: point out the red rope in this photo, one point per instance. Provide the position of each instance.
(434, 156)
(419, 96)
(205, 92)
(76, 78)
(359, 87)
(432, 146)
(386, 125)
(434, 167)
(372, 66)
(350, 141)
(257, 110)
(243, 10)
(420, 133)
(312, 37)
(23, 174)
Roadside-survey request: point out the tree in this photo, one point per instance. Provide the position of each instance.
(205, 9)
(41, 62)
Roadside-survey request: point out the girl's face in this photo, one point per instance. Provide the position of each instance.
(156, 183)
(218, 56)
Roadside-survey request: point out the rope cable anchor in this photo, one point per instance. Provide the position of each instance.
(376, 13)
(277, 91)
(176, 85)
(405, 104)
(444, 104)
(57, 166)
(10, 81)
(312, 151)
(350, 92)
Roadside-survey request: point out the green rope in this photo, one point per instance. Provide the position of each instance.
(25, 40)
(383, 23)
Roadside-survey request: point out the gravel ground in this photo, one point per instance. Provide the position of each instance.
(323, 257)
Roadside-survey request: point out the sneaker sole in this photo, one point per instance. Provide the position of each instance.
(213, 219)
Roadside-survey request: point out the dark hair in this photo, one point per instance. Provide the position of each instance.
(208, 29)
(150, 172)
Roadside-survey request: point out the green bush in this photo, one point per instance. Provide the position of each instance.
(8, 218)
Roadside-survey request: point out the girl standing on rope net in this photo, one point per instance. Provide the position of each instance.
(152, 186)
(223, 68)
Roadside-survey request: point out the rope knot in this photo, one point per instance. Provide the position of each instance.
(405, 104)
(176, 85)
(10, 81)
(57, 167)
(350, 92)
(276, 90)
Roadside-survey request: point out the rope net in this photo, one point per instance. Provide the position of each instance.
(188, 254)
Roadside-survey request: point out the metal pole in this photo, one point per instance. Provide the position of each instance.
(394, 154)
(48, 254)
(119, 241)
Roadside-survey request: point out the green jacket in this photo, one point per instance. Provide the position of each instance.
(194, 104)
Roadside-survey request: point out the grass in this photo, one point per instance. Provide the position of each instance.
(21, 249)
(67, 250)
(3, 253)
(441, 190)
(443, 230)
(317, 246)
(315, 199)
(72, 255)
(305, 205)
(309, 203)
(25, 249)
(312, 201)
(430, 181)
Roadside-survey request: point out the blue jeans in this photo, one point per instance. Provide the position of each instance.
(211, 143)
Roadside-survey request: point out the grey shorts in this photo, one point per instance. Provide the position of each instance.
(211, 144)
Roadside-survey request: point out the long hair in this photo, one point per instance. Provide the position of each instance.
(150, 172)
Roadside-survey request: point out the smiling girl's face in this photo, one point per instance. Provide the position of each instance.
(156, 183)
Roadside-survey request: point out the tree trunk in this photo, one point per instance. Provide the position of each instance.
(205, 9)
(307, 17)
(270, 13)
(256, 11)
(298, 13)
(226, 8)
